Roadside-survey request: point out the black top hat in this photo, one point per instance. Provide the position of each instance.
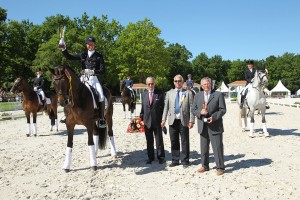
(250, 62)
(90, 39)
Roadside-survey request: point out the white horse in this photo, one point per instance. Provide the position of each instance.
(255, 100)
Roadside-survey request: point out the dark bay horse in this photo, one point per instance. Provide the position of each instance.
(31, 104)
(78, 103)
(127, 99)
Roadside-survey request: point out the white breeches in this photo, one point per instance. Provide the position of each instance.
(93, 81)
(247, 86)
(41, 92)
(129, 88)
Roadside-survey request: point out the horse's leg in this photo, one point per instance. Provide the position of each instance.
(243, 118)
(93, 161)
(34, 115)
(68, 159)
(263, 120)
(124, 109)
(251, 125)
(27, 114)
(113, 151)
(130, 110)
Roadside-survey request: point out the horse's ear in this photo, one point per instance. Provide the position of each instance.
(51, 70)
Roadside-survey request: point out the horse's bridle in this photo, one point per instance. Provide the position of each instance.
(67, 94)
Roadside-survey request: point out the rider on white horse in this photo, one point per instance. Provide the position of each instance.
(249, 75)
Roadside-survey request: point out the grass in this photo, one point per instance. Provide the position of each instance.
(9, 106)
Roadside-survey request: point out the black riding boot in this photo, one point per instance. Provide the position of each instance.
(102, 121)
(242, 101)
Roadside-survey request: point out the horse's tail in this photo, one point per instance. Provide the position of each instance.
(102, 132)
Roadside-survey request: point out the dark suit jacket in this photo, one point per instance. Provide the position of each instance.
(216, 108)
(249, 75)
(95, 62)
(152, 114)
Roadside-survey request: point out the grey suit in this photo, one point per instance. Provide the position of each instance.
(213, 132)
(179, 126)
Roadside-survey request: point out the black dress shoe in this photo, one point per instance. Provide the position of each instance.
(149, 161)
(161, 161)
(185, 164)
(173, 164)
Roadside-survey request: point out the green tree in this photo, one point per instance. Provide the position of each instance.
(179, 62)
(140, 52)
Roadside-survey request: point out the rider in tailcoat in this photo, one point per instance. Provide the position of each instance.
(249, 75)
(190, 83)
(129, 83)
(38, 84)
(92, 63)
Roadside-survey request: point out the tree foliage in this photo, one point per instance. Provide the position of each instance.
(135, 49)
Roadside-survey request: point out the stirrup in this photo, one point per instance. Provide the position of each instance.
(102, 123)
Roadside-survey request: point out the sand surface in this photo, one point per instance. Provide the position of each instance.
(256, 168)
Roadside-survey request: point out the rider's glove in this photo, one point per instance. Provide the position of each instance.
(35, 88)
(62, 45)
(89, 72)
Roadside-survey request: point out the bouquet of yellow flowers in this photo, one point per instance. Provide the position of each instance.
(136, 125)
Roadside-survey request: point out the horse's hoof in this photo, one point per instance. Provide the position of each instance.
(251, 135)
(243, 130)
(114, 157)
(267, 134)
(67, 170)
(94, 168)
(34, 135)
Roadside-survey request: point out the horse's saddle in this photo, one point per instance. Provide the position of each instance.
(40, 98)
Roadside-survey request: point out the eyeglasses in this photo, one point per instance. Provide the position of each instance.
(150, 83)
(177, 81)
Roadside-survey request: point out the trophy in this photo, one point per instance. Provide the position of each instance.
(62, 43)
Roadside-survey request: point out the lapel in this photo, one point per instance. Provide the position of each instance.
(154, 97)
(184, 95)
(211, 96)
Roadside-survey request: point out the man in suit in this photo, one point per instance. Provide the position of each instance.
(178, 104)
(151, 113)
(209, 107)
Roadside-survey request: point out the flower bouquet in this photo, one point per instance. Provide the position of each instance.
(136, 125)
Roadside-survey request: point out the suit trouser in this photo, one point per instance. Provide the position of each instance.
(175, 130)
(217, 146)
(158, 140)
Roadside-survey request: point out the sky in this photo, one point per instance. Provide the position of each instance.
(233, 29)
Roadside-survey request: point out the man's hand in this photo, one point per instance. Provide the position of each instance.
(191, 125)
(162, 123)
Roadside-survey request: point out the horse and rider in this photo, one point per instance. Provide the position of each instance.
(92, 64)
(249, 77)
(128, 95)
(38, 87)
(128, 83)
(190, 84)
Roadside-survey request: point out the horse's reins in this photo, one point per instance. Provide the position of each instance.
(70, 95)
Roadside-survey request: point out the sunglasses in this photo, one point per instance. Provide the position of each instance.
(150, 83)
(177, 81)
